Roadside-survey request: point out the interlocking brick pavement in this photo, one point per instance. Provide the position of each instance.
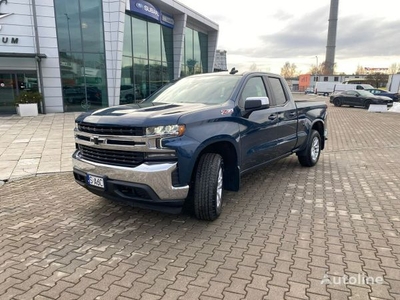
(287, 229)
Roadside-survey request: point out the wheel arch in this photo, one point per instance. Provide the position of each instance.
(227, 149)
(319, 126)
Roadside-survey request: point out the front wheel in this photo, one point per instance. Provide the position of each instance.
(337, 102)
(367, 103)
(312, 152)
(208, 187)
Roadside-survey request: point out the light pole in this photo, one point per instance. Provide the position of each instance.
(69, 34)
(316, 65)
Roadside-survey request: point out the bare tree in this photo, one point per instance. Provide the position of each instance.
(394, 68)
(254, 68)
(326, 69)
(289, 70)
(377, 79)
(360, 70)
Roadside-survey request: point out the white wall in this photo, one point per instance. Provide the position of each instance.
(21, 25)
(114, 21)
(46, 25)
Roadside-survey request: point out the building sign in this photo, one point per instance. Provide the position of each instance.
(145, 8)
(167, 20)
(148, 10)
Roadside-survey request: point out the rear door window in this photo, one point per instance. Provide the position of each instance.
(278, 90)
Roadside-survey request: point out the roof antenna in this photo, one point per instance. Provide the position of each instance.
(233, 71)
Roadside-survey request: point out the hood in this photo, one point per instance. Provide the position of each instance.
(146, 114)
(384, 98)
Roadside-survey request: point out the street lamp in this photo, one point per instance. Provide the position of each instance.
(69, 33)
(317, 64)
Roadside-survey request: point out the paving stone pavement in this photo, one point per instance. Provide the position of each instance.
(289, 233)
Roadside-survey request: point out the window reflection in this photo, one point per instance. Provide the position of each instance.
(92, 26)
(139, 31)
(82, 58)
(195, 56)
(68, 26)
(149, 63)
(154, 41)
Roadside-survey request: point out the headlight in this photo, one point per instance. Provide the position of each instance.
(168, 130)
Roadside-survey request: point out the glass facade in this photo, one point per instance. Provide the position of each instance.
(147, 62)
(80, 36)
(195, 54)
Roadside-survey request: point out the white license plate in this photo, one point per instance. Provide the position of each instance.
(95, 181)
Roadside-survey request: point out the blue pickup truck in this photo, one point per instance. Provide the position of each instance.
(195, 137)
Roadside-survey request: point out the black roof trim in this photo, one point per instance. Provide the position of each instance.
(23, 55)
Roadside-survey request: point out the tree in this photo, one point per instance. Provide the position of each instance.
(377, 79)
(254, 68)
(314, 70)
(394, 68)
(325, 69)
(360, 70)
(289, 70)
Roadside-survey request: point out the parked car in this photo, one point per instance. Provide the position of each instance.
(130, 94)
(85, 96)
(380, 92)
(358, 98)
(309, 90)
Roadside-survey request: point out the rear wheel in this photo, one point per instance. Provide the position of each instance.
(337, 102)
(367, 103)
(311, 155)
(208, 187)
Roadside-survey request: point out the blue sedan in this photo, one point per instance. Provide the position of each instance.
(380, 92)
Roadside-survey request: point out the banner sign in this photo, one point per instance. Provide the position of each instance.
(148, 10)
(145, 8)
(167, 20)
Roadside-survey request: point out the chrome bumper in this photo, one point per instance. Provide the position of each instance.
(157, 176)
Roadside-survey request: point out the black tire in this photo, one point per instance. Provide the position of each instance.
(367, 103)
(208, 187)
(310, 156)
(337, 102)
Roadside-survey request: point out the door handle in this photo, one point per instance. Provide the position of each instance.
(272, 117)
(292, 114)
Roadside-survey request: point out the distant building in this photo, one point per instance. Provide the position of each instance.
(220, 61)
(309, 81)
(369, 70)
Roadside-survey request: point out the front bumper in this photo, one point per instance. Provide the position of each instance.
(147, 185)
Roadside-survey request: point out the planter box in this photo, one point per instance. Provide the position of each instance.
(28, 110)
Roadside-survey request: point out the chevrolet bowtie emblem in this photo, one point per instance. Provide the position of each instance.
(97, 141)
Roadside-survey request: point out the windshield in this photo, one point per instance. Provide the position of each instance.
(365, 93)
(213, 89)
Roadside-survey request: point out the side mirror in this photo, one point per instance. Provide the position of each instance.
(256, 103)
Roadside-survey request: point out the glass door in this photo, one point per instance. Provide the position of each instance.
(10, 86)
(7, 93)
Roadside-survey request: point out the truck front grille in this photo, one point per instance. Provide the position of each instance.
(112, 157)
(111, 130)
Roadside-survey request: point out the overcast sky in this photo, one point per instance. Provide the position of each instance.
(270, 33)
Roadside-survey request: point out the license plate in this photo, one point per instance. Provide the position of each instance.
(95, 181)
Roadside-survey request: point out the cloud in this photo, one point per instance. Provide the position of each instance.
(367, 37)
(301, 37)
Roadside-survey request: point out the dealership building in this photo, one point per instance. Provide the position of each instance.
(87, 54)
